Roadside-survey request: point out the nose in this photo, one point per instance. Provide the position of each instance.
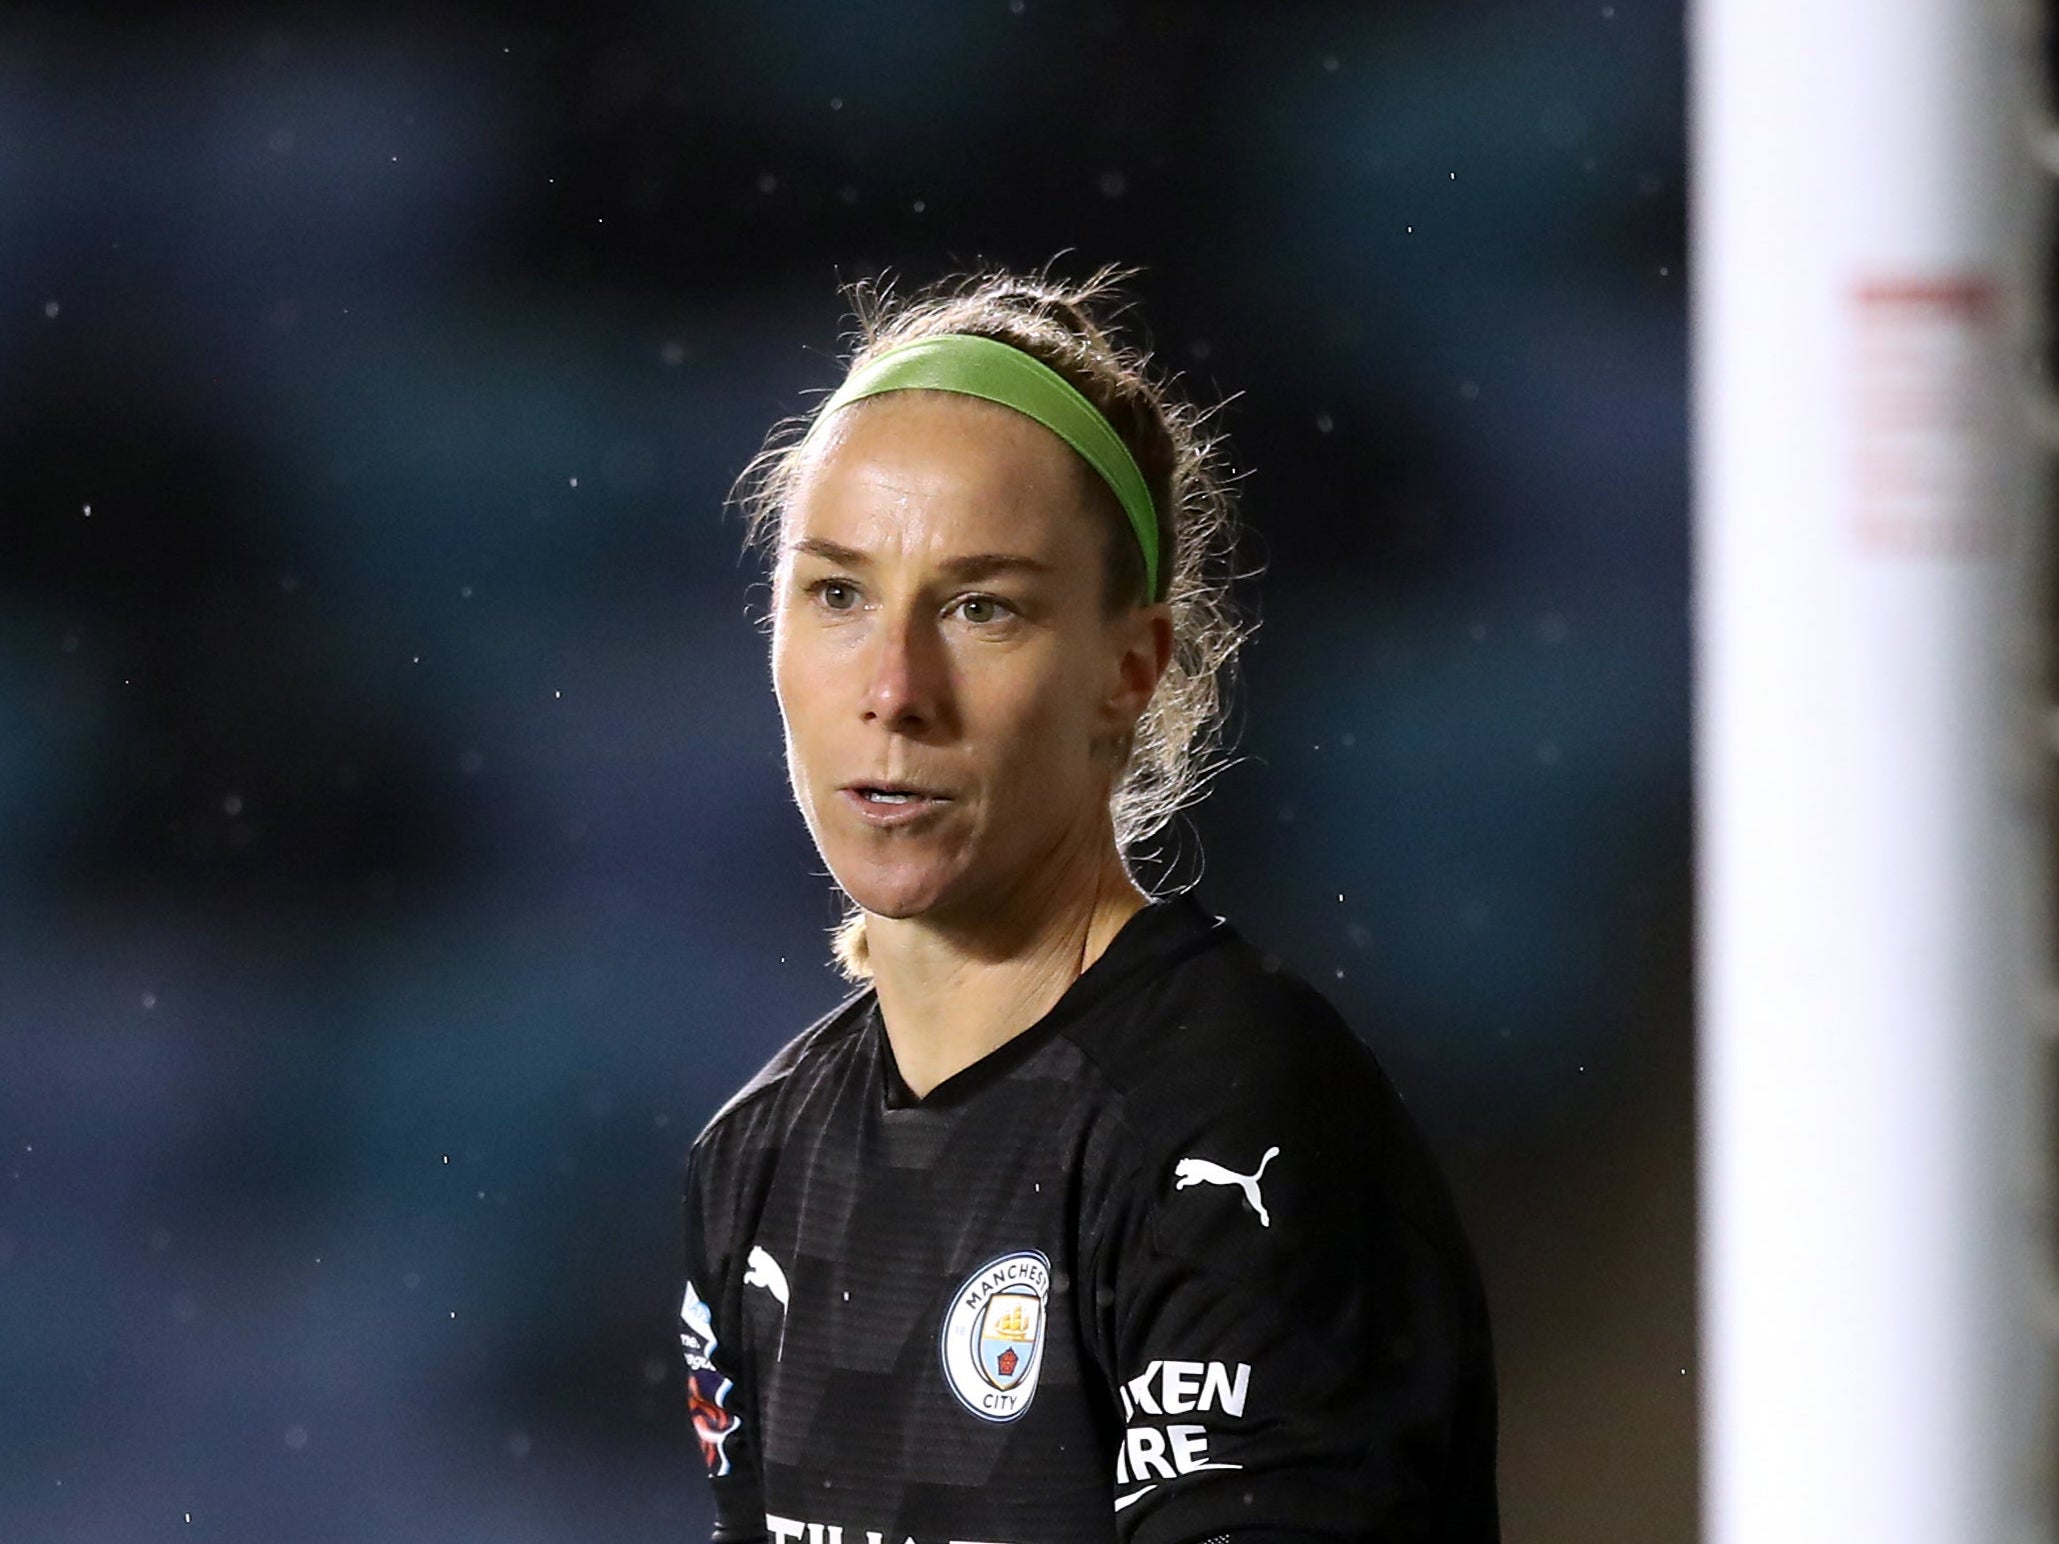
(909, 677)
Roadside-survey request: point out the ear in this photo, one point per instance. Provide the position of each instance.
(1141, 644)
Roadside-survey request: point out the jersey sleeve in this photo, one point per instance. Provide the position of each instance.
(718, 1393)
(1295, 1329)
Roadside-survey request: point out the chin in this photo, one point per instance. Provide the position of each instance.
(899, 890)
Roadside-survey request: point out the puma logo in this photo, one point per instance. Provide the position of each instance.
(1201, 1171)
(761, 1270)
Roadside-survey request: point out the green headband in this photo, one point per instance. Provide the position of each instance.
(999, 372)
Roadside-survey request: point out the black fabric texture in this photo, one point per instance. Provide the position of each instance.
(1171, 1264)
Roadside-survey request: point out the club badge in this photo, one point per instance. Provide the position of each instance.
(707, 1391)
(993, 1339)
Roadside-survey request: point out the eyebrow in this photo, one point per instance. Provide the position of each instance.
(973, 565)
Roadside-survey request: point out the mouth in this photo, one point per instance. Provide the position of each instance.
(893, 803)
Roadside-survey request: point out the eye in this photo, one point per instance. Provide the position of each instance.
(980, 610)
(834, 594)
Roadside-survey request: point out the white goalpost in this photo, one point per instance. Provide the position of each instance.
(1872, 778)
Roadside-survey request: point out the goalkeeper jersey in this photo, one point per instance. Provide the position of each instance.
(1169, 1265)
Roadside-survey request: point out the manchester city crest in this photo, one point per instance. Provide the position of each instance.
(993, 1335)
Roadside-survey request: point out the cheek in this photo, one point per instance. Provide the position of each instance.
(1050, 740)
(794, 689)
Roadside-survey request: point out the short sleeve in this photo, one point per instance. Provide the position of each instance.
(1297, 1331)
(717, 1384)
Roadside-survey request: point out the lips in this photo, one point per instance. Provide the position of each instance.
(893, 803)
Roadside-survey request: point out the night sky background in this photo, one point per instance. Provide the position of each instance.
(396, 865)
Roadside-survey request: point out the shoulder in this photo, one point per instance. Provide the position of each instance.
(1229, 1055)
(1229, 1024)
(746, 1113)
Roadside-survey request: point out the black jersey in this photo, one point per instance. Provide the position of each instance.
(1170, 1264)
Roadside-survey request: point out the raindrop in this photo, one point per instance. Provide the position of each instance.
(767, 183)
(673, 354)
(1470, 390)
(847, 194)
(1324, 423)
(921, 205)
(1551, 628)
(573, 481)
(149, 1000)
(1330, 63)
(464, 592)
(1548, 752)
(470, 762)
(296, 1437)
(87, 510)
(836, 104)
(1112, 183)
(51, 308)
(280, 142)
(519, 1444)
(233, 805)
(1016, 7)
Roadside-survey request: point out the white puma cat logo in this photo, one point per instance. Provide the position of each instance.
(1201, 1171)
(761, 1270)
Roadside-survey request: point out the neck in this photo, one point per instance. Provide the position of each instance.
(950, 992)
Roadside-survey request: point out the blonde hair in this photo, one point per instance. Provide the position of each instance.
(1178, 744)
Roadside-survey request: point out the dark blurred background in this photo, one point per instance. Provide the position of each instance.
(395, 860)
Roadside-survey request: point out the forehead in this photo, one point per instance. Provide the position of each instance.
(939, 473)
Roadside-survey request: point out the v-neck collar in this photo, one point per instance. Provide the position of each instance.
(1153, 933)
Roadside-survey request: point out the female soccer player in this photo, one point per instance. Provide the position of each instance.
(1081, 1220)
